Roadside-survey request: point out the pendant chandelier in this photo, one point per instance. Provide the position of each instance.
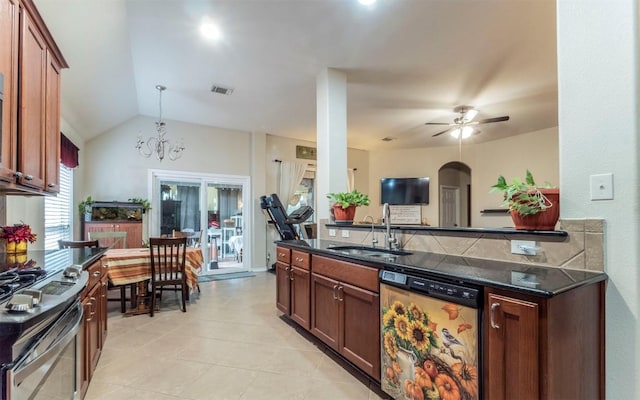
(159, 144)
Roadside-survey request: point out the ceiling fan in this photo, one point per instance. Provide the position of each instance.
(462, 126)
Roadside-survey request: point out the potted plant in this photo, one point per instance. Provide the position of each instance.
(344, 205)
(146, 205)
(532, 207)
(84, 208)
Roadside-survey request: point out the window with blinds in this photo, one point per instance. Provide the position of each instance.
(58, 211)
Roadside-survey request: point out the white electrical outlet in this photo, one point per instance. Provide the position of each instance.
(345, 234)
(332, 232)
(526, 247)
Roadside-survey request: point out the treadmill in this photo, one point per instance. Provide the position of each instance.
(284, 223)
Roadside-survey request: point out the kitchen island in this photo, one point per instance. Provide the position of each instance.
(542, 333)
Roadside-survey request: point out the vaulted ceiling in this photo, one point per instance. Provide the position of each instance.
(407, 62)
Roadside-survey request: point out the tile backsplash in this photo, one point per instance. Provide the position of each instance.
(583, 248)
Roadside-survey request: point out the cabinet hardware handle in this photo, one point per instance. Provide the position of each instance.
(291, 274)
(335, 297)
(494, 306)
(90, 316)
(340, 289)
(28, 177)
(18, 174)
(51, 185)
(97, 273)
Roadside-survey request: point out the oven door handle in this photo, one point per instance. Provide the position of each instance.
(53, 350)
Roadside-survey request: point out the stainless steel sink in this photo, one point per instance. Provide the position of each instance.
(365, 251)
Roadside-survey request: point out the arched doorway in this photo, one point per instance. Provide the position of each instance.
(454, 179)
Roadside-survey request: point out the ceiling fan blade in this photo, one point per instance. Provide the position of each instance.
(440, 133)
(490, 120)
(438, 123)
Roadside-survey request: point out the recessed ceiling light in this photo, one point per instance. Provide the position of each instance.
(209, 29)
(366, 2)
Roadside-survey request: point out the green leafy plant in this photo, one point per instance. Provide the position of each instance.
(346, 199)
(523, 197)
(146, 205)
(84, 206)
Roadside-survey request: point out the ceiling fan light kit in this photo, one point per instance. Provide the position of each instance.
(461, 127)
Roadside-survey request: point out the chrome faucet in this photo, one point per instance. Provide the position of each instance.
(389, 237)
(374, 241)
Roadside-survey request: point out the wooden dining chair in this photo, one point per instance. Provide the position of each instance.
(168, 263)
(77, 244)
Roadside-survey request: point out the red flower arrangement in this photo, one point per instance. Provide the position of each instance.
(17, 233)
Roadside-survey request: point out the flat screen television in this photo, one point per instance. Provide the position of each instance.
(404, 191)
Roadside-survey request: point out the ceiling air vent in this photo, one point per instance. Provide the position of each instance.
(387, 139)
(221, 90)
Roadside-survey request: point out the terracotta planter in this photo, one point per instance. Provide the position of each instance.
(542, 221)
(17, 247)
(344, 215)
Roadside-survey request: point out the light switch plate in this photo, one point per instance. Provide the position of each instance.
(332, 232)
(602, 187)
(345, 234)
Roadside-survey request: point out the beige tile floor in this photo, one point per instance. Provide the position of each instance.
(230, 344)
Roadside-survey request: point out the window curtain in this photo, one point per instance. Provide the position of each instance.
(351, 177)
(228, 202)
(68, 152)
(189, 197)
(291, 174)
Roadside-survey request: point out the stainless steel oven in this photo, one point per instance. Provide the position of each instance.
(50, 368)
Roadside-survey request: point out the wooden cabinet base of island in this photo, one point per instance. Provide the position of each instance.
(293, 284)
(545, 348)
(345, 311)
(94, 328)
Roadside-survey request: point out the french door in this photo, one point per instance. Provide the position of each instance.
(212, 208)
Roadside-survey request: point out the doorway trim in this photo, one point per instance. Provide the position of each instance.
(204, 179)
(456, 204)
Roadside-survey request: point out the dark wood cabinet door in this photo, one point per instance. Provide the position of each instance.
(31, 121)
(512, 350)
(325, 310)
(300, 297)
(9, 69)
(283, 287)
(360, 331)
(52, 127)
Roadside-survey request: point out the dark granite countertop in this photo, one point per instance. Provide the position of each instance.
(51, 261)
(524, 278)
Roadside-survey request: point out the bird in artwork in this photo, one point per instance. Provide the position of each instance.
(449, 340)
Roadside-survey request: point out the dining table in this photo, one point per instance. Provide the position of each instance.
(133, 266)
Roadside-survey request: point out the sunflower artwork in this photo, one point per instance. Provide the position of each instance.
(429, 347)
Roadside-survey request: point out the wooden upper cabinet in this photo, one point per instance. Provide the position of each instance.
(9, 23)
(52, 127)
(30, 63)
(33, 77)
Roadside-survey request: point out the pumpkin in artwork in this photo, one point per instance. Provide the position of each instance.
(447, 387)
(412, 390)
(468, 377)
(431, 369)
(422, 378)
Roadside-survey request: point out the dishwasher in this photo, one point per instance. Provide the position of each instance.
(430, 337)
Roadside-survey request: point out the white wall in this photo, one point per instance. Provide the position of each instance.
(280, 148)
(599, 133)
(510, 157)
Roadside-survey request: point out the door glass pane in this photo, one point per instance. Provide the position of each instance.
(225, 226)
(179, 207)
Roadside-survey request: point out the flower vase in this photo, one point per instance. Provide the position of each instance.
(17, 247)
